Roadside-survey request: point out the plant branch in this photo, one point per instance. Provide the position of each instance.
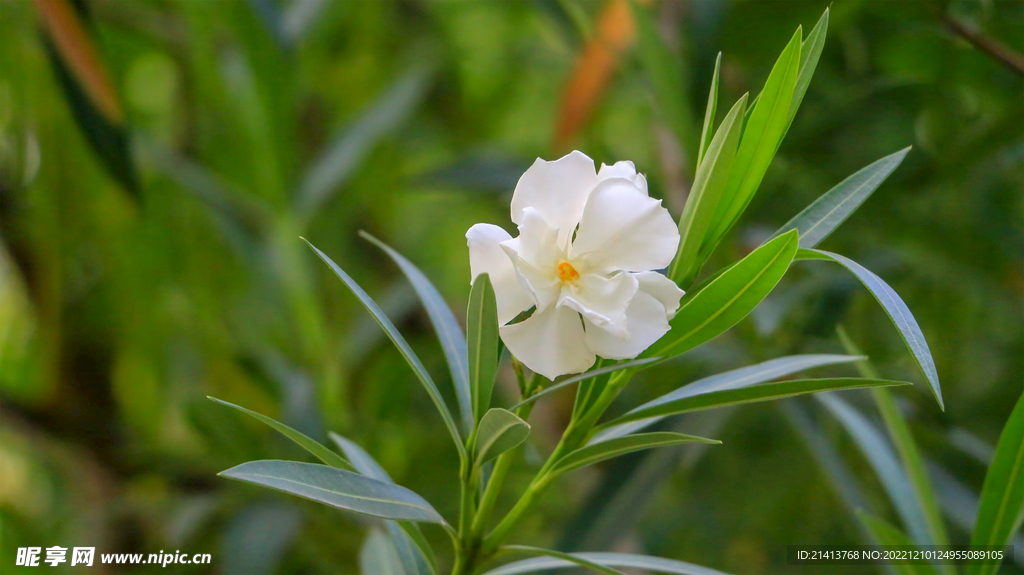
(994, 48)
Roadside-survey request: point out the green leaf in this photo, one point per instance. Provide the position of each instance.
(316, 448)
(500, 430)
(734, 379)
(825, 214)
(910, 455)
(453, 343)
(894, 307)
(888, 535)
(709, 112)
(337, 488)
(880, 455)
(761, 137)
(763, 392)
(482, 327)
(402, 345)
(727, 299)
(810, 51)
(1002, 495)
(413, 551)
(378, 555)
(597, 452)
(705, 196)
(559, 555)
(585, 376)
(666, 73)
(624, 560)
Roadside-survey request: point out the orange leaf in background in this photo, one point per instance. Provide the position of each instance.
(615, 31)
(76, 49)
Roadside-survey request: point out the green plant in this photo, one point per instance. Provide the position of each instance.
(732, 161)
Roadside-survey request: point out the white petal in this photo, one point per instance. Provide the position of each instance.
(535, 255)
(624, 169)
(602, 300)
(486, 256)
(662, 289)
(624, 229)
(646, 322)
(557, 190)
(550, 342)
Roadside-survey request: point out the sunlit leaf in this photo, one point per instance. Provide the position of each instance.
(825, 214)
(705, 196)
(894, 307)
(709, 112)
(727, 299)
(402, 345)
(734, 379)
(761, 137)
(597, 452)
(500, 430)
(810, 52)
(314, 447)
(482, 327)
(337, 488)
(453, 343)
(1002, 496)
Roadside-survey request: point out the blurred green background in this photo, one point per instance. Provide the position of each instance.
(150, 257)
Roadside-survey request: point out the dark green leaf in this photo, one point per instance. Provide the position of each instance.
(825, 214)
(734, 379)
(1002, 496)
(314, 447)
(482, 327)
(626, 560)
(453, 343)
(894, 307)
(607, 449)
(402, 345)
(763, 392)
(337, 488)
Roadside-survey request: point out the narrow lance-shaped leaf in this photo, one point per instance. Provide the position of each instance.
(761, 137)
(727, 299)
(1002, 495)
(585, 376)
(314, 447)
(734, 379)
(763, 392)
(709, 112)
(402, 345)
(337, 488)
(705, 197)
(453, 343)
(825, 214)
(500, 430)
(482, 327)
(413, 551)
(622, 560)
(889, 535)
(598, 452)
(561, 556)
(378, 555)
(910, 455)
(879, 454)
(894, 307)
(810, 52)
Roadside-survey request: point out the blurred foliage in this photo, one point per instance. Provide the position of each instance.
(129, 294)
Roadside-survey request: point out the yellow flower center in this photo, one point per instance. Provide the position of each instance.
(567, 273)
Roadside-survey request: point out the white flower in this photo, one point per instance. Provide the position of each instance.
(588, 242)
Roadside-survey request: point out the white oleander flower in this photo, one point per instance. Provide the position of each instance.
(587, 247)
